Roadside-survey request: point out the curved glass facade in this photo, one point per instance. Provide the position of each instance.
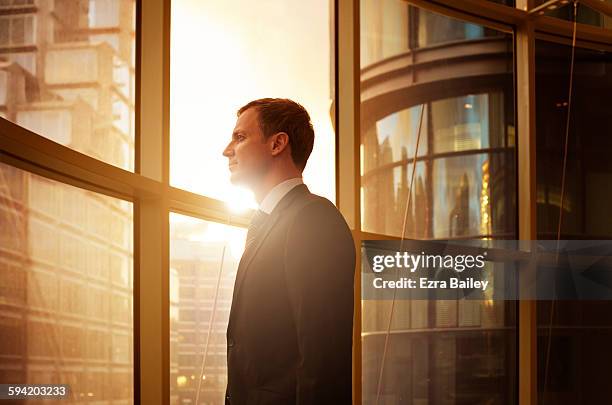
(437, 162)
(465, 175)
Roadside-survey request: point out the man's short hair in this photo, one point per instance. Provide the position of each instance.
(284, 115)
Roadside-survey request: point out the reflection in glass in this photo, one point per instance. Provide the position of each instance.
(391, 28)
(383, 40)
(247, 50)
(441, 352)
(395, 137)
(204, 258)
(584, 14)
(435, 29)
(386, 194)
(438, 352)
(470, 195)
(589, 168)
(66, 288)
(67, 73)
(574, 337)
(462, 195)
(474, 121)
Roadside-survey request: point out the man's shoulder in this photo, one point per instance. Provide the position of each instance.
(316, 210)
(311, 203)
(316, 222)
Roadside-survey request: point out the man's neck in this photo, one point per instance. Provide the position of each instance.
(266, 187)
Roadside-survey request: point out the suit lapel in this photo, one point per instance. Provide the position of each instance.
(249, 255)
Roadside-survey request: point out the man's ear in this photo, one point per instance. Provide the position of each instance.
(280, 141)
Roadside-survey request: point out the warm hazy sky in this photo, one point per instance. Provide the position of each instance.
(226, 53)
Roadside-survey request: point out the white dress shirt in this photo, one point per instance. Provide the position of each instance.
(277, 193)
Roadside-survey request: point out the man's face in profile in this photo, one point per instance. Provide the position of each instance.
(248, 155)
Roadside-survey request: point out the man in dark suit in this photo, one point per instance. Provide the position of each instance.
(289, 338)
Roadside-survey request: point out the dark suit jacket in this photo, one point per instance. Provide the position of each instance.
(289, 336)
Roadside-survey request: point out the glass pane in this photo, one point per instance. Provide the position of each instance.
(573, 336)
(394, 138)
(584, 14)
(247, 50)
(385, 194)
(465, 117)
(446, 352)
(589, 168)
(380, 41)
(474, 121)
(392, 28)
(204, 259)
(433, 29)
(63, 84)
(66, 288)
(472, 196)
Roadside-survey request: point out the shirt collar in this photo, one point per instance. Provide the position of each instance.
(277, 193)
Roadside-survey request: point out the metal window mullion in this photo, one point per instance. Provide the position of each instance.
(559, 31)
(32, 152)
(526, 178)
(206, 208)
(151, 233)
(348, 152)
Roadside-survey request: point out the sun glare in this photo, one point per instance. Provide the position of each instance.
(239, 200)
(226, 53)
(233, 237)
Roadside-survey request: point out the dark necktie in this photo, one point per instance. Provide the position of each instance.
(257, 222)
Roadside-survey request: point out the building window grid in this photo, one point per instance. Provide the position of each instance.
(197, 213)
(429, 157)
(17, 30)
(58, 279)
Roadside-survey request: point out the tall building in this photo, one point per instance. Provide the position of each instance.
(203, 269)
(66, 258)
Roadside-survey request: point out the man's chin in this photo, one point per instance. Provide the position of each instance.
(236, 179)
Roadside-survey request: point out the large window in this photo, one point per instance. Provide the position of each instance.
(227, 53)
(572, 354)
(203, 262)
(437, 162)
(66, 285)
(67, 73)
(119, 243)
(463, 122)
(75, 281)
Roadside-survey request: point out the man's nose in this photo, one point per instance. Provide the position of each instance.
(228, 151)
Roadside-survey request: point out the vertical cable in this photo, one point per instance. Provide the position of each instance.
(388, 332)
(210, 325)
(563, 173)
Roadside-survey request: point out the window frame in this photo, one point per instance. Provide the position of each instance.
(526, 28)
(149, 190)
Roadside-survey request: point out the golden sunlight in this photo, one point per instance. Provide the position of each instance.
(226, 53)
